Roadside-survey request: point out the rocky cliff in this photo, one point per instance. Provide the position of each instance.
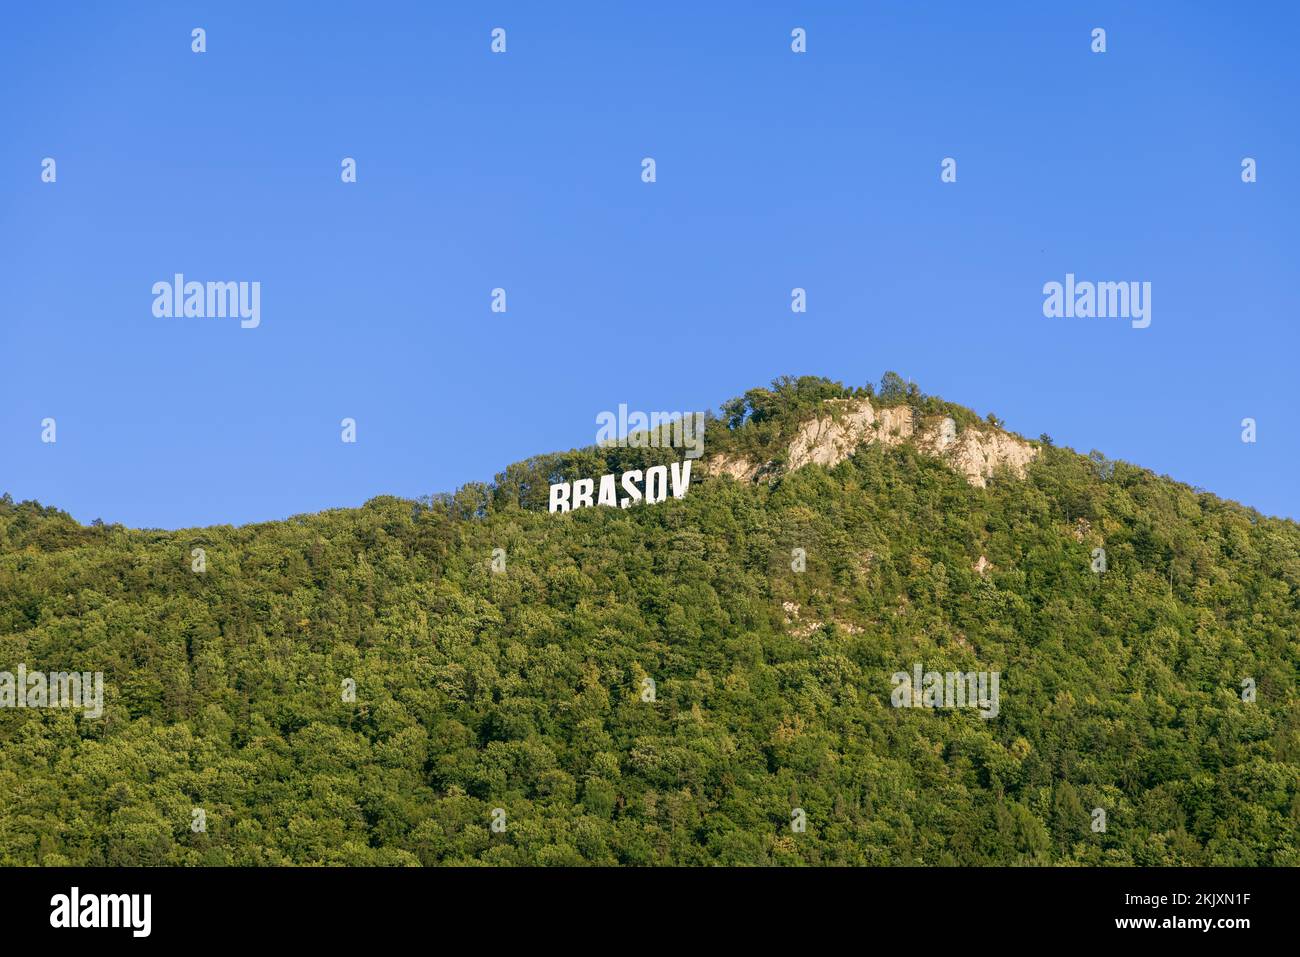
(976, 452)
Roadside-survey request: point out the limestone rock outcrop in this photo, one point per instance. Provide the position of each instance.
(975, 452)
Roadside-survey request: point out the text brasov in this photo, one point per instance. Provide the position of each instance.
(651, 486)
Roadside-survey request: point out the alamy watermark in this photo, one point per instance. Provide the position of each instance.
(56, 689)
(679, 430)
(213, 300)
(75, 909)
(953, 689)
(1099, 300)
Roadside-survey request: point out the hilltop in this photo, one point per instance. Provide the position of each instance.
(677, 682)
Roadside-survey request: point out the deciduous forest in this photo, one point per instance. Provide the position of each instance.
(516, 679)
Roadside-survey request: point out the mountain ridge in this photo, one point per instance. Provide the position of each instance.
(675, 683)
(824, 423)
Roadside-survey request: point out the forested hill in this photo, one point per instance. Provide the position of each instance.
(500, 656)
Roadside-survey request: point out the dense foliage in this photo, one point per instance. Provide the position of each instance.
(523, 690)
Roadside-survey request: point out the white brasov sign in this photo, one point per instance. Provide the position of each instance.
(656, 480)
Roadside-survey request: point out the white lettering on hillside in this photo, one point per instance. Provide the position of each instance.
(650, 486)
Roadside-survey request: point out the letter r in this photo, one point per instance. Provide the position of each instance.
(559, 497)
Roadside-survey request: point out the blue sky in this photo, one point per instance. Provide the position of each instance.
(522, 171)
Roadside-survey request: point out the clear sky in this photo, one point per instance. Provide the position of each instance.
(522, 170)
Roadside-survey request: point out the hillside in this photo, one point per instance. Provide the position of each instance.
(928, 535)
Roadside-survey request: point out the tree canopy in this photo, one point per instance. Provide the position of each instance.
(660, 684)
